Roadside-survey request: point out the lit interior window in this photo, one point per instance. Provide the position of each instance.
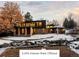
(40, 23)
(22, 30)
(33, 24)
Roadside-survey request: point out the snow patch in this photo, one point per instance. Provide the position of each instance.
(4, 41)
(75, 50)
(43, 37)
(2, 50)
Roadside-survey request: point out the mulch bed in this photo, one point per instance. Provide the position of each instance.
(64, 51)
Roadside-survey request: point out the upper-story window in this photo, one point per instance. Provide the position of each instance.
(19, 24)
(22, 30)
(33, 24)
(40, 23)
(27, 24)
(23, 24)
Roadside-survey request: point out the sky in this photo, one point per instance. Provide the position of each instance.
(49, 10)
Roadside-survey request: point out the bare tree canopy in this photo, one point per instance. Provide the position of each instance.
(55, 22)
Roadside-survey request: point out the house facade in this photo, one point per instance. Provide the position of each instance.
(28, 28)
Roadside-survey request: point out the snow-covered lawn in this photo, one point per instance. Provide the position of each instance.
(75, 50)
(43, 36)
(4, 41)
(1, 43)
(74, 46)
(2, 50)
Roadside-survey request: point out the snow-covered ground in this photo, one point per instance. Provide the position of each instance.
(75, 42)
(43, 36)
(75, 50)
(50, 37)
(38, 36)
(75, 45)
(2, 50)
(4, 41)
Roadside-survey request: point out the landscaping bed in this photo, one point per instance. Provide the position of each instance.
(64, 51)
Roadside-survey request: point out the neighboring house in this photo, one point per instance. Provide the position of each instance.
(55, 29)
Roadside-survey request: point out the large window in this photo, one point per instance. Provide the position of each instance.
(37, 23)
(34, 31)
(22, 30)
(19, 24)
(27, 24)
(49, 26)
(33, 24)
(23, 24)
(40, 23)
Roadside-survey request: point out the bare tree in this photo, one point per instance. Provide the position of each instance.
(55, 22)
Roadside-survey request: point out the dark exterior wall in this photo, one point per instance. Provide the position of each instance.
(29, 28)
